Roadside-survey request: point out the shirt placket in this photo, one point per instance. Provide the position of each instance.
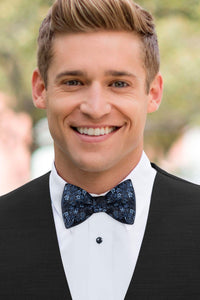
(100, 275)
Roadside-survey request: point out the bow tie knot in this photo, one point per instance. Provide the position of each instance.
(78, 205)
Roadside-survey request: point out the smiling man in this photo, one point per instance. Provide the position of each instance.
(104, 224)
(97, 101)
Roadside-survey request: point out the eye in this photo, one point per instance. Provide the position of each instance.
(119, 84)
(73, 82)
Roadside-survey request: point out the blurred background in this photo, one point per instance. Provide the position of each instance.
(172, 137)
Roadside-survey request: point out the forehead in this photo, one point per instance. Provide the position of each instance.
(100, 50)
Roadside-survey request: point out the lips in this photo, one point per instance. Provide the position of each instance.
(95, 131)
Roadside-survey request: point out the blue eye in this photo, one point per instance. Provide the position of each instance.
(73, 82)
(119, 84)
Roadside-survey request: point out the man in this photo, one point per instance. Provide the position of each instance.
(104, 224)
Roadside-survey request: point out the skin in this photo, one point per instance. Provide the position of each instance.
(96, 80)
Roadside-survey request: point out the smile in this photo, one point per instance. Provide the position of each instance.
(95, 131)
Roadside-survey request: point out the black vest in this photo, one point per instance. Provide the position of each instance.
(168, 266)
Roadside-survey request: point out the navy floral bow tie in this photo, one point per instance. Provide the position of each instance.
(78, 205)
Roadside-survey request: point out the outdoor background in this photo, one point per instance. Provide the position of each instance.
(172, 137)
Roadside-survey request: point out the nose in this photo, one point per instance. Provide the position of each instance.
(95, 103)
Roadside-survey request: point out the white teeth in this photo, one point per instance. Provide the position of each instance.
(90, 131)
(95, 131)
(102, 131)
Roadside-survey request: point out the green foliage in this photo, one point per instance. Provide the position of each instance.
(179, 38)
(164, 8)
(180, 66)
(19, 23)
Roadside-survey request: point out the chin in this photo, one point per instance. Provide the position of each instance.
(93, 166)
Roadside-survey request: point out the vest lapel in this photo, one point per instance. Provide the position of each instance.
(168, 263)
(53, 256)
(35, 262)
(148, 276)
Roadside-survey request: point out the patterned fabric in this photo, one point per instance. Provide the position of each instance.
(78, 205)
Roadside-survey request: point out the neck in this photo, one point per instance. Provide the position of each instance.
(96, 182)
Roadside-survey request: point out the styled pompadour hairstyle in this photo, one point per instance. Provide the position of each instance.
(76, 16)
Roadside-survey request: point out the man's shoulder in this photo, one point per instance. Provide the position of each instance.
(172, 184)
(33, 189)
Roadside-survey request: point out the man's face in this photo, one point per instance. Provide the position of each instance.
(96, 101)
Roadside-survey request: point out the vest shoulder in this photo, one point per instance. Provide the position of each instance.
(172, 182)
(32, 189)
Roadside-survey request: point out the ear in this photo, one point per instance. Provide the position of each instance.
(155, 93)
(38, 90)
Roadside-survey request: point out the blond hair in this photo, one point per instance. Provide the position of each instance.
(71, 16)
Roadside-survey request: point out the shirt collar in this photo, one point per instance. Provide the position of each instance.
(141, 176)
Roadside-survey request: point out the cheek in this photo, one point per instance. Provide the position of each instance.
(58, 108)
(54, 116)
(135, 112)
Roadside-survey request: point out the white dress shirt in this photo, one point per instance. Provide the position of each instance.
(102, 271)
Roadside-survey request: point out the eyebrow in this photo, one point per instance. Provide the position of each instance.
(114, 73)
(120, 73)
(70, 73)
